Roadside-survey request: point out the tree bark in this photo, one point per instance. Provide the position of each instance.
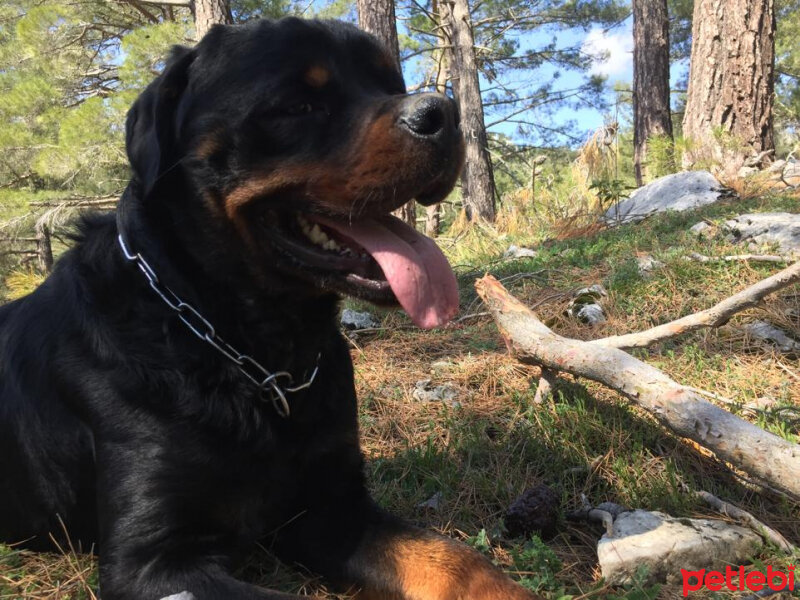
(377, 17)
(731, 82)
(651, 114)
(477, 180)
(683, 410)
(44, 248)
(433, 214)
(208, 13)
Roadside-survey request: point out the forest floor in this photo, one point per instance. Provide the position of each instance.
(477, 452)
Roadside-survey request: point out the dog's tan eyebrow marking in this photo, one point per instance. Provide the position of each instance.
(317, 76)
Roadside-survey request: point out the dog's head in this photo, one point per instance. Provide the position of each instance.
(299, 139)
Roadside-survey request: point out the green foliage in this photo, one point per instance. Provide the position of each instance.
(536, 557)
(787, 65)
(610, 191)
(662, 157)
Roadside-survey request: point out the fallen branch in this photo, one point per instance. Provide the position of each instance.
(734, 512)
(715, 316)
(773, 258)
(679, 408)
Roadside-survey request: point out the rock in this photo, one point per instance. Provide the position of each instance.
(424, 392)
(519, 252)
(767, 229)
(535, 511)
(433, 503)
(678, 192)
(746, 172)
(665, 545)
(590, 314)
(352, 319)
(585, 305)
(767, 332)
(647, 264)
(703, 230)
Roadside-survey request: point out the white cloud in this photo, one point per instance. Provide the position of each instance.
(612, 53)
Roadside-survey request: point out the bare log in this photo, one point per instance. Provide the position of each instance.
(679, 408)
(715, 316)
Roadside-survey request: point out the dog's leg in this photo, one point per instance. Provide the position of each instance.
(381, 557)
(165, 530)
(401, 562)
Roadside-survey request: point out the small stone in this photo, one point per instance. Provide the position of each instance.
(433, 503)
(665, 545)
(352, 319)
(591, 314)
(585, 305)
(519, 252)
(425, 392)
(746, 172)
(535, 511)
(647, 264)
(702, 230)
(767, 332)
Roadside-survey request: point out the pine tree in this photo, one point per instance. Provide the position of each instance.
(729, 109)
(377, 17)
(651, 113)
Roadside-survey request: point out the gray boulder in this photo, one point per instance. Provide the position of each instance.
(766, 229)
(665, 545)
(678, 192)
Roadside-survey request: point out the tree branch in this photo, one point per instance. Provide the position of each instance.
(679, 408)
(715, 316)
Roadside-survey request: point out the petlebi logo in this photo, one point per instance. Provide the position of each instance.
(754, 581)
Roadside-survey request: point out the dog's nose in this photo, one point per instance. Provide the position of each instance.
(429, 115)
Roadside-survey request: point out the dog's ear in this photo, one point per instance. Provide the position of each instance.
(150, 125)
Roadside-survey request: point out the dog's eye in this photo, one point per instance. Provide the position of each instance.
(305, 108)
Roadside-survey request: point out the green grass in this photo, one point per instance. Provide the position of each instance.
(485, 449)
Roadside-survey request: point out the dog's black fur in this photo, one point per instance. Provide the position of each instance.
(147, 443)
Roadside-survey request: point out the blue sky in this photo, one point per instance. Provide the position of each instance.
(612, 52)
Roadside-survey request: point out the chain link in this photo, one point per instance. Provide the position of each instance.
(265, 381)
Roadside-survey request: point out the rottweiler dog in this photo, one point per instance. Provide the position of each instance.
(178, 390)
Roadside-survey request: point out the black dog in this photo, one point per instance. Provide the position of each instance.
(265, 162)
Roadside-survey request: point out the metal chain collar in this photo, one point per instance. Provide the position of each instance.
(266, 382)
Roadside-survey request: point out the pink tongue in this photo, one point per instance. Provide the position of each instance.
(417, 271)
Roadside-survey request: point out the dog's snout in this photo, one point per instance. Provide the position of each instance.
(429, 115)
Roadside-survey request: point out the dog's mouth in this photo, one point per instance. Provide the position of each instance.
(379, 259)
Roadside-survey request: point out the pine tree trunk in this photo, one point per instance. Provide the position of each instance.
(377, 17)
(731, 82)
(208, 13)
(477, 180)
(433, 214)
(651, 114)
